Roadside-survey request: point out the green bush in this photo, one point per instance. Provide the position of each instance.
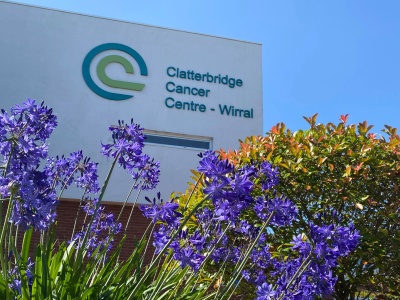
(345, 168)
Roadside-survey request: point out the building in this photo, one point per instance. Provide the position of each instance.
(190, 91)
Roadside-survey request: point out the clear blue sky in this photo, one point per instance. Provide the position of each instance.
(332, 57)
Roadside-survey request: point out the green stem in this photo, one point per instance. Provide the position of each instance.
(133, 207)
(176, 288)
(158, 257)
(148, 241)
(16, 235)
(82, 250)
(126, 201)
(304, 265)
(4, 265)
(9, 245)
(163, 275)
(77, 213)
(129, 194)
(222, 276)
(194, 189)
(239, 269)
(66, 182)
(212, 249)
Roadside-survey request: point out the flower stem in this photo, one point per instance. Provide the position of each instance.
(133, 207)
(77, 213)
(4, 265)
(158, 257)
(239, 269)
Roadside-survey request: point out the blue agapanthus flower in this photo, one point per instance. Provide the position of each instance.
(265, 292)
(127, 146)
(63, 171)
(102, 230)
(23, 136)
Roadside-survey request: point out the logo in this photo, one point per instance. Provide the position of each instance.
(101, 73)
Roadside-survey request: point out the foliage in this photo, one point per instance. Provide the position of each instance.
(345, 168)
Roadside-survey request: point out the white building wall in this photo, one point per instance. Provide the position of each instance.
(41, 56)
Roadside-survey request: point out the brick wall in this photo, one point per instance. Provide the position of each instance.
(67, 211)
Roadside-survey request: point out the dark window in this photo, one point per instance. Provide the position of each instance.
(179, 142)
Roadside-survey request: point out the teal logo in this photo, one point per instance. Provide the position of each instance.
(101, 71)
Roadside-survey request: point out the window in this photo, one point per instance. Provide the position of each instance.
(199, 143)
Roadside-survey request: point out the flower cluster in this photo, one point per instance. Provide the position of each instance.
(230, 192)
(163, 212)
(309, 271)
(127, 146)
(74, 168)
(15, 275)
(239, 203)
(102, 229)
(23, 136)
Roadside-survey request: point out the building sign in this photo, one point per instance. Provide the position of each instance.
(224, 109)
(101, 70)
(170, 86)
(189, 91)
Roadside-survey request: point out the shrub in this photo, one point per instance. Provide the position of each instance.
(344, 168)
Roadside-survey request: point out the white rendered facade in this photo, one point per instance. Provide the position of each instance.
(195, 87)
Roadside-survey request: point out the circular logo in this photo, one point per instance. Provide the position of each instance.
(103, 77)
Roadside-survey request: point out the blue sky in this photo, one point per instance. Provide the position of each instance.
(326, 57)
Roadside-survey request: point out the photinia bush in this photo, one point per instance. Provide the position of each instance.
(346, 168)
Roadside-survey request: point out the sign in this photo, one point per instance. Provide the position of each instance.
(101, 70)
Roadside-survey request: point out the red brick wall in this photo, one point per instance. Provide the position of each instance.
(66, 214)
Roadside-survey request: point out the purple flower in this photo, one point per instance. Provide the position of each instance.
(242, 187)
(301, 245)
(161, 238)
(15, 277)
(235, 254)
(34, 203)
(271, 174)
(261, 257)
(75, 168)
(214, 168)
(215, 190)
(261, 208)
(149, 172)
(231, 219)
(219, 254)
(101, 232)
(204, 216)
(245, 227)
(197, 240)
(188, 257)
(127, 146)
(265, 292)
(226, 210)
(164, 212)
(16, 286)
(284, 211)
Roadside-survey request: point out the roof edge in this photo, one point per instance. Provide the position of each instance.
(129, 22)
